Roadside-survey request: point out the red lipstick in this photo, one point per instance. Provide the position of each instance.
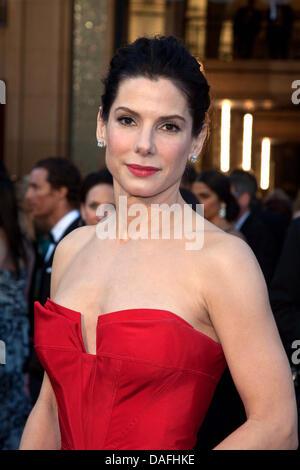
(142, 171)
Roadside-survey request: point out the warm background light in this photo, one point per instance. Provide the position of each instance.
(265, 163)
(247, 141)
(225, 136)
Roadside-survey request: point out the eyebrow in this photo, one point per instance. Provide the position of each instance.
(161, 118)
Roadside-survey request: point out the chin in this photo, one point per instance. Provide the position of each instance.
(143, 189)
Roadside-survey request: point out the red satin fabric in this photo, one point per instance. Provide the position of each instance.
(148, 386)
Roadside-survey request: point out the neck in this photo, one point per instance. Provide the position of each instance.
(141, 215)
(57, 215)
(220, 222)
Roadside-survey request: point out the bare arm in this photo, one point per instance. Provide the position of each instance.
(42, 428)
(238, 305)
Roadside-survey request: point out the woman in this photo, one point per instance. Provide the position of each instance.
(212, 189)
(96, 189)
(132, 347)
(14, 322)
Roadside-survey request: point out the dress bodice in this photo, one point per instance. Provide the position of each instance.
(148, 386)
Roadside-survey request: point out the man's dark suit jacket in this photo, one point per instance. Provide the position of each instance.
(285, 300)
(285, 289)
(40, 284)
(39, 291)
(262, 242)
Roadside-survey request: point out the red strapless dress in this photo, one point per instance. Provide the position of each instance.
(148, 386)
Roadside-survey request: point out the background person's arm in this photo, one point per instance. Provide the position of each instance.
(238, 305)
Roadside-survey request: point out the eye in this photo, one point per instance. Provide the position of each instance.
(125, 121)
(170, 127)
(94, 205)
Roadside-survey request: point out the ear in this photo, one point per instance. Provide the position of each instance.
(199, 140)
(245, 199)
(82, 210)
(63, 192)
(101, 126)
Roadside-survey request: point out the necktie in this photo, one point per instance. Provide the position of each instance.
(43, 243)
(51, 238)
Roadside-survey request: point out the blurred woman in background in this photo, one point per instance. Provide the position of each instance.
(212, 188)
(14, 322)
(96, 189)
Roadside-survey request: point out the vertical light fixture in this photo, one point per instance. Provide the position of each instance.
(265, 163)
(225, 136)
(247, 141)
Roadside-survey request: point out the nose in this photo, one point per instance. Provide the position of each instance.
(29, 194)
(145, 142)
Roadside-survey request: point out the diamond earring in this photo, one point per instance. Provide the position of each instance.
(222, 211)
(100, 143)
(193, 158)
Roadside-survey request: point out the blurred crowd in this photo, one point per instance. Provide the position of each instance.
(257, 32)
(53, 199)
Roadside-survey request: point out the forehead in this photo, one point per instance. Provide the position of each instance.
(100, 192)
(38, 176)
(201, 187)
(160, 96)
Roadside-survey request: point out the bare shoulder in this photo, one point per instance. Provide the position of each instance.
(228, 265)
(67, 249)
(76, 239)
(221, 253)
(227, 250)
(234, 285)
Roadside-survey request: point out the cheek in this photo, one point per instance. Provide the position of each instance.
(42, 198)
(91, 212)
(213, 206)
(209, 204)
(119, 142)
(174, 148)
(90, 215)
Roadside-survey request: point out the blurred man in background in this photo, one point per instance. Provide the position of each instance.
(53, 195)
(262, 229)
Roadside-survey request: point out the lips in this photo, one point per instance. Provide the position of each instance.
(142, 171)
(141, 167)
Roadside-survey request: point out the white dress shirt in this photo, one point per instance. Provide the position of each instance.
(241, 220)
(58, 230)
